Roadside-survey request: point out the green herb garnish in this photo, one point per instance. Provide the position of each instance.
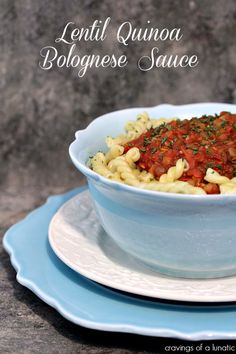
(223, 124)
(219, 167)
(155, 131)
(163, 140)
(209, 165)
(196, 129)
(146, 141)
(153, 150)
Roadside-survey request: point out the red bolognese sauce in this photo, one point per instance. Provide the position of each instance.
(209, 141)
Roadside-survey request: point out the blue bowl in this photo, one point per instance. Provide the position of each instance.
(191, 236)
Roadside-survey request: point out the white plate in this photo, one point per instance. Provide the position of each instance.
(80, 242)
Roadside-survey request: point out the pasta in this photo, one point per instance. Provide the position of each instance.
(227, 186)
(170, 155)
(175, 172)
(135, 128)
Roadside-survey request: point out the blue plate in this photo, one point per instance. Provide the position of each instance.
(91, 305)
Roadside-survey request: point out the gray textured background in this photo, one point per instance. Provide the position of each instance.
(41, 110)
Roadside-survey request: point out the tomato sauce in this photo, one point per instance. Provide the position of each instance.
(209, 141)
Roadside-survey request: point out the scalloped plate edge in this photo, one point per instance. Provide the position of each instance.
(119, 327)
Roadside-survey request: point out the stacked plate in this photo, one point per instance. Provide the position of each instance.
(63, 255)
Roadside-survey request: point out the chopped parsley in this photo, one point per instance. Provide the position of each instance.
(223, 124)
(153, 150)
(142, 150)
(219, 167)
(209, 165)
(163, 140)
(156, 131)
(146, 141)
(196, 129)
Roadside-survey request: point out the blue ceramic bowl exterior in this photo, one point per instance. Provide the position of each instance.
(192, 236)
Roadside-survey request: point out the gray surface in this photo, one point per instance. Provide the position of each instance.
(40, 111)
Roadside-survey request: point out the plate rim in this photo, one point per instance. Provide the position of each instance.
(129, 289)
(118, 327)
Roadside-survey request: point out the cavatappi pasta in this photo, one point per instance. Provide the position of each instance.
(196, 156)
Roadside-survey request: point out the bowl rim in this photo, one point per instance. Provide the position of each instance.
(139, 191)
